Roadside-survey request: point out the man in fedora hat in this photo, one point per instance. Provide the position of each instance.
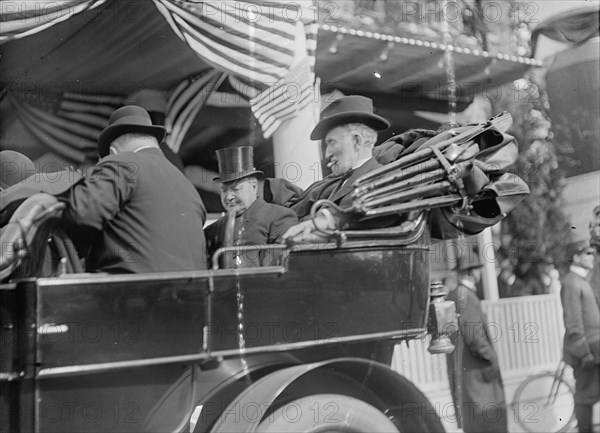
(473, 371)
(256, 221)
(348, 127)
(144, 214)
(581, 346)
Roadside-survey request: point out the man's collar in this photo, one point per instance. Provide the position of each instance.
(253, 208)
(360, 162)
(578, 270)
(469, 284)
(145, 147)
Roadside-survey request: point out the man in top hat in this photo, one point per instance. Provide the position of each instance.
(473, 371)
(146, 216)
(581, 346)
(256, 221)
(349, 129)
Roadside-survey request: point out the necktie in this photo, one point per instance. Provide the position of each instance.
(337, 186)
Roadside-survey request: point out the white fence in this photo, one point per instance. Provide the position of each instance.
(527, 333)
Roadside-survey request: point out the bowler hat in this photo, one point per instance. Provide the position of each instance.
(236, 163)
(348, 109)
(15, 168)
(125, 120)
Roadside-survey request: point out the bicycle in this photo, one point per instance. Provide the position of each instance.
(544, 402)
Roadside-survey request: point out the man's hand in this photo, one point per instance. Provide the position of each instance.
(302, 232)
(306, 231)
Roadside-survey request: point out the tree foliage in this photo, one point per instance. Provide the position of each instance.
(538, 229)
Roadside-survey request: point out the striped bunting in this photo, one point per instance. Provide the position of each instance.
(285, 99)
(240, 38)
(71, 127)
(288, 97)
(254, 42)
(24, 18)
(185, 102)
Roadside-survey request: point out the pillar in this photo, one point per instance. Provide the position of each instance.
(296, 157)
(487, 253)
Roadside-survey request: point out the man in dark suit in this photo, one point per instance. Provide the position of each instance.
(145, 215)
(581, 347)
(349, 128)
(256, 222)
(475, 381)
(594, 275)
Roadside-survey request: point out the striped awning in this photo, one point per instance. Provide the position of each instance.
(257, 43)
(20, 19)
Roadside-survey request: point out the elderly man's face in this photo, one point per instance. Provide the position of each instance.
(341, 150)
(585, 259)
(238, 195)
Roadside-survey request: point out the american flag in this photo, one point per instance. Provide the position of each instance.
(285, 99)
(185, 102)
(254, 42)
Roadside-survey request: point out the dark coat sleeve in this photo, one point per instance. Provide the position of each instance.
(284, 219)
(98, 199)
(473, 328)
(575, 341)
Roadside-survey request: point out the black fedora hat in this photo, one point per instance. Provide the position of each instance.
(348, 109)
(127, 119)
(236, 163)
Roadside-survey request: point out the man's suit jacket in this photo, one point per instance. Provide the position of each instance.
(148, 216)
(262, 223)
(335, 188)
(581, 317)
(479, 380)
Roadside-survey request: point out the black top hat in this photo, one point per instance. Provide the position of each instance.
(348, 109)
(125, 120)
(236, 163)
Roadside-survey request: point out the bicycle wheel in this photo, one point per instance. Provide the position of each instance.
(544, 403)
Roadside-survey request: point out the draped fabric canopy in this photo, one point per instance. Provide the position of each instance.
(27, 18)
(574, 26)
(108, 50)
(103, 44)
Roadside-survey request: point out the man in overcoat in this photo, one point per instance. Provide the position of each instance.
(145, 215)
(581, 347)
(475, 380)
(594, 275)
(256, 222)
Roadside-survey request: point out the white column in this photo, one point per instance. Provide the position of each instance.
(487, 254)
(297, 158)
